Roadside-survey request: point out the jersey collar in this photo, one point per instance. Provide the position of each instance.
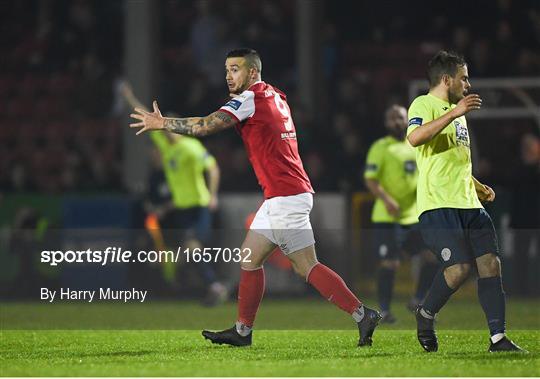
(257, 82)
(440, 100)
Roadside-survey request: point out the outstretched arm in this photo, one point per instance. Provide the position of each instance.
(200, 126)
(191, 126)
(129, 96)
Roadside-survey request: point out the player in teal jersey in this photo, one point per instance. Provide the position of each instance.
(452, 220)
(391, 176)
(186, 217)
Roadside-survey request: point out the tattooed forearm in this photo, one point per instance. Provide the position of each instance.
(200, 126)
(179, 126)
(217, 121)
(222, 116)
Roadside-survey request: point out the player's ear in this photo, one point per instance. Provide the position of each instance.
(253, 73)
(446, 79)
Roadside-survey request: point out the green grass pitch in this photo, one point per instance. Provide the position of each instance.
(321, 342)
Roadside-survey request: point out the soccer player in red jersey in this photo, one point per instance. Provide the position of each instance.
(262, 117)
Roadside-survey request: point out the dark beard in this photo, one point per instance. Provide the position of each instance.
(453, 98)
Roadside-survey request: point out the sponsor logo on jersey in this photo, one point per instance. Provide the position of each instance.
(288, 135)
(416, 121)
(234, 104)
(462, 134)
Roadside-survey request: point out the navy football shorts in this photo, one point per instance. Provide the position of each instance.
(459, 235)
(390, 240)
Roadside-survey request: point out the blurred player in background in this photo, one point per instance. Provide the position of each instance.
(453, 221)
(186, 217)
(525, 212)
(262, 117)
(391, 177)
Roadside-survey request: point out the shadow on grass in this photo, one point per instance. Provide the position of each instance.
(485, 356)
(249, 350)
(75, 354)
(117, 354)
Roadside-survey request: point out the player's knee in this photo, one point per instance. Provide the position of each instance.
(303, 261)
(254, 262)
(303, 267)
(299, 270)
(456, 274)
(488, 265)
(249, 266)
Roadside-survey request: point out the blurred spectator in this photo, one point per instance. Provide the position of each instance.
(525, 211)
(94, 94)
(208, 32)
(62, 57)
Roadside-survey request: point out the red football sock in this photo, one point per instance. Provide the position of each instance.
(333, 288)
(250, 293)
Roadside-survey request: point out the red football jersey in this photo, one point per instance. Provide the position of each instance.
(267, 129)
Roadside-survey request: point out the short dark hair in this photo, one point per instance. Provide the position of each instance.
(252, 57)
(444, 62)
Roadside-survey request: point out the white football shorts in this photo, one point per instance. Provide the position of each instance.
(284, 220)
